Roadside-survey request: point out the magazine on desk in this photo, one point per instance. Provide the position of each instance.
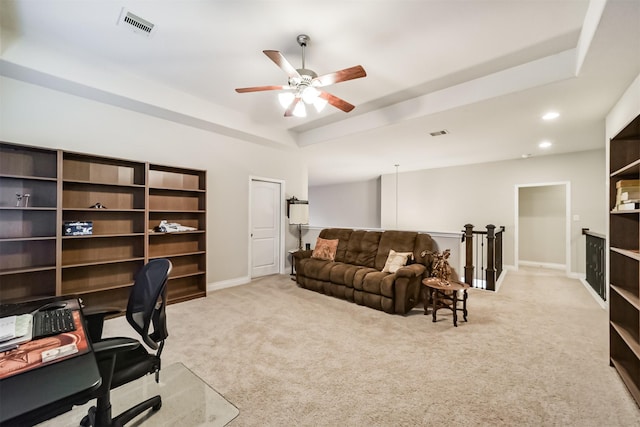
(44, 351)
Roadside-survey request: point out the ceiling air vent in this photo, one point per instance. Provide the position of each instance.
(136, 24)
(440, 132)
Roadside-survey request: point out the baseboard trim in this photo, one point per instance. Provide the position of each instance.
(548, 265)
(216, 286)
(501, 278)
(594, 294)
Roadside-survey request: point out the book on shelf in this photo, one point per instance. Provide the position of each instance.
(628, 183)
(627, 206)
(629, 197)
(627, 194)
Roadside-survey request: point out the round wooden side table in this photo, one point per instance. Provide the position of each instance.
(445, 295)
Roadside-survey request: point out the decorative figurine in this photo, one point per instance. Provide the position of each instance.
(441, 268)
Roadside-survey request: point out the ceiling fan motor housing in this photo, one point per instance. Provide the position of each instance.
(306, 78)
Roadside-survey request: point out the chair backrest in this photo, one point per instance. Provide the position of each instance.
(147, 302)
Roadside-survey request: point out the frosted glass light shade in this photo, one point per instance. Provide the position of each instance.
(300, 110)
(285, 99)
(309, 94)
(299, 213)
(319, 103)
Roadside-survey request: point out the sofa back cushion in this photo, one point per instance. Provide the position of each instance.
(362, 248)
(399, 241)
(343, 235)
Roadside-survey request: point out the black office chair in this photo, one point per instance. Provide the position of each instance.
(122, 360)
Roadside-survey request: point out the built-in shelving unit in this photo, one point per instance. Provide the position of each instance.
(103, 265)
(178, 195)
(38, 259)
(28, 224)
(624, 261)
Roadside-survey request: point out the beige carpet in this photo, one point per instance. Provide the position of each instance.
(534, 354)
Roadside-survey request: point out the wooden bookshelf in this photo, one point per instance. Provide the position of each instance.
(28, 227)
(38, 259)
(624, 262)
(179, 195)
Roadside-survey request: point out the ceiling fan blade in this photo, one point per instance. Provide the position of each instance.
(282, 62)
(341, 76)
(260, 88)
(337, 102)
(292, 107)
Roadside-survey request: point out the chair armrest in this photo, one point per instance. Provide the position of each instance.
(109, 347)
(105, 311)
(94, 316)
(412, 270)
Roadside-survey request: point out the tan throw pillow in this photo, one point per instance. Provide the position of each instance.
(325, 249)
(395, 260)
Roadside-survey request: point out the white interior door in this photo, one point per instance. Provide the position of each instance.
(266, 217)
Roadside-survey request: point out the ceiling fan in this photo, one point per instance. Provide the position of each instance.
(305, 85)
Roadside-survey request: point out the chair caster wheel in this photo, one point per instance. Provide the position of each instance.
(89, 420)
(157, 407)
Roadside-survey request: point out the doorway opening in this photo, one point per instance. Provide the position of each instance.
(543, 227)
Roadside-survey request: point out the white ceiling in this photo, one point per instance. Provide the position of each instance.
(485, 70)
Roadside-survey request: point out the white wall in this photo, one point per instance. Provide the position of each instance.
(625, 110)
(447, 199)
(33, 115)
(353, 204)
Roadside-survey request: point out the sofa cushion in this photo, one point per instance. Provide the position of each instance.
(342, 234)
(362, 248)
(395, 260)
(343, 274)
(325, 249)
(358, 278)
(379, 283)
(313, 268)
(399, 241)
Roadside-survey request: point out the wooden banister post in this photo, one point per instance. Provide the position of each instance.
(468, 265)
(491, 257)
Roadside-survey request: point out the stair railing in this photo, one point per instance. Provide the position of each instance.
(483, 256)
(595, 262)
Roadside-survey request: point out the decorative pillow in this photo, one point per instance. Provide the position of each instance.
(325, 249)
(395, 260)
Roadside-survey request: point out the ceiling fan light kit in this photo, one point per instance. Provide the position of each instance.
(304, 84)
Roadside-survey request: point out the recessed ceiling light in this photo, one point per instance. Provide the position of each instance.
(551, 115)
(545, 144)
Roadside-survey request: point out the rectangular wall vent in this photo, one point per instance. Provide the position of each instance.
(135, 23)
(440, 132)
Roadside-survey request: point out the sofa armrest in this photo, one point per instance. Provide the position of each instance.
(412, 270)
(301, 254)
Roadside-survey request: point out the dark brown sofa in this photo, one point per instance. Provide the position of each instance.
(356, 273)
